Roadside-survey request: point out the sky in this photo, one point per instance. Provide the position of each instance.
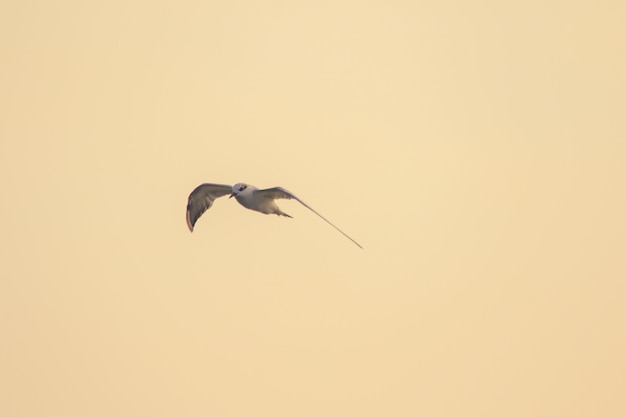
(476, 150)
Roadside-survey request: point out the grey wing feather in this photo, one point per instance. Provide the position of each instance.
(278, 193)
(281, 193)
(201, 199)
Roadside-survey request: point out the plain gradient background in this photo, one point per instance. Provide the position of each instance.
(476, 149)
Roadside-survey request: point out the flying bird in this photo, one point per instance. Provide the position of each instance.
(201, 199)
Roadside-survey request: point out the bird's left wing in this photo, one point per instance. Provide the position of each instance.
(201, 199)
(281, 193)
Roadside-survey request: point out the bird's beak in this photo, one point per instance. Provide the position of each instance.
(232, 195)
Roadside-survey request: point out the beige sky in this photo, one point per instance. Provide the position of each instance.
(475, 149)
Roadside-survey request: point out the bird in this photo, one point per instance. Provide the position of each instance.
(202, 197)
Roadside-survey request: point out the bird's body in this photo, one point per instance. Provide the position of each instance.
(263, 201)
(252, 199)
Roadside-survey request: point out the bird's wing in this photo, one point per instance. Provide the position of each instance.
(201, 199)
(280, 192)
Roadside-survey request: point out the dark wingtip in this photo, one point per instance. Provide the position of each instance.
(190, 224)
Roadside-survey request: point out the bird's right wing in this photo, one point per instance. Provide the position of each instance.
(201, 199)
(281, 193)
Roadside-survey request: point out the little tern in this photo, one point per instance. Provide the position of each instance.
(201, 199)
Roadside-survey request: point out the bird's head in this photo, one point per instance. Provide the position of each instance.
(237, 188)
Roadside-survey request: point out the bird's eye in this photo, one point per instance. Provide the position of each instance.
(241, 188)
